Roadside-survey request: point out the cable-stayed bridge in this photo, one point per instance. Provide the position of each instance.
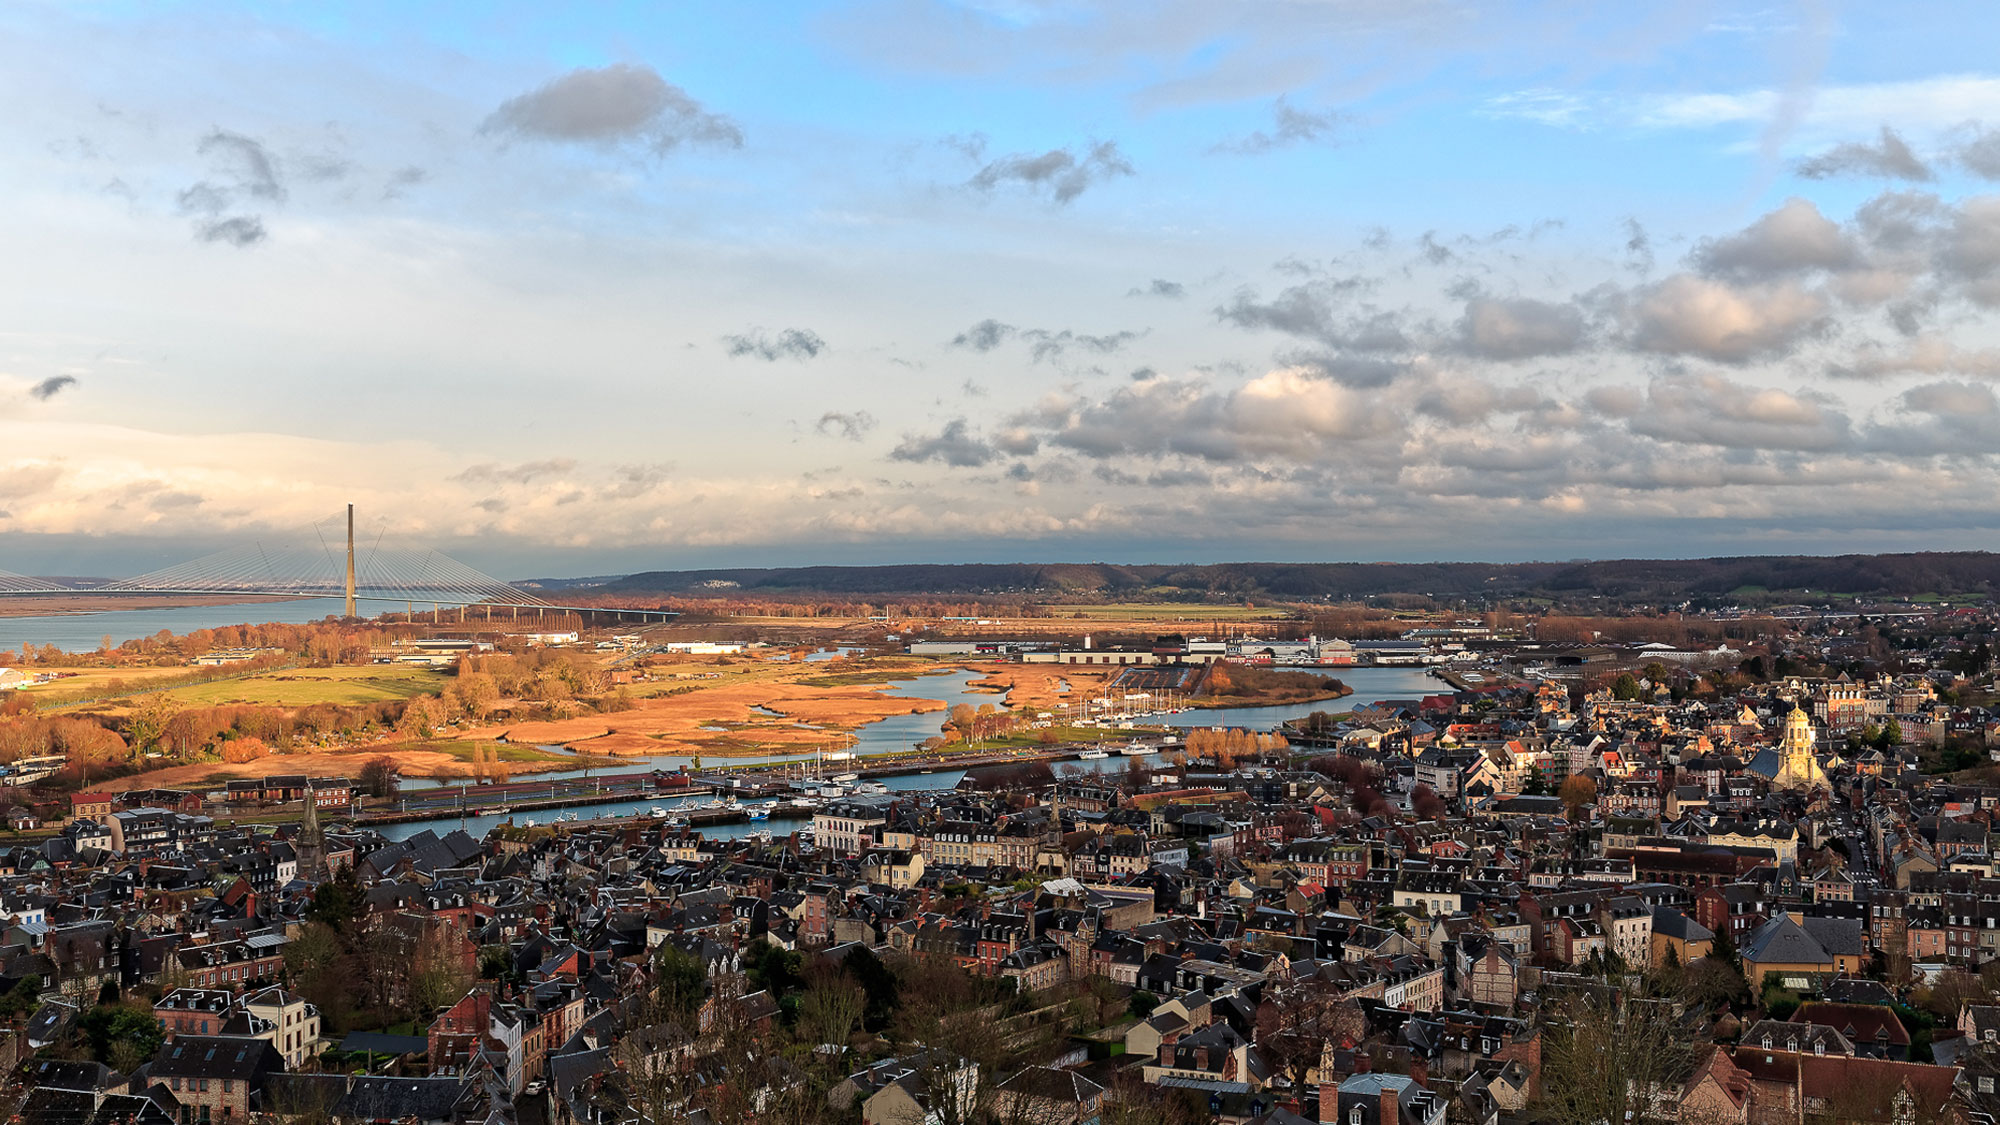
(323, 560)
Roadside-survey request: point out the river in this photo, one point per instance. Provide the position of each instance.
(83, 632)
(897, 732)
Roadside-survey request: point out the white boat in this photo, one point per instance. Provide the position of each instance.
(1094, 755)
(847, 778)
(658, 813)
(1135, 750)
(528, 823)
(760, 814)
(871, 788)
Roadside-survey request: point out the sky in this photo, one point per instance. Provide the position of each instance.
(593, 288)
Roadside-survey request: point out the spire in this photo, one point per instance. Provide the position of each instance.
(311, 845)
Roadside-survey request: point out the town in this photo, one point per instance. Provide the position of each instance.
(1570, 881)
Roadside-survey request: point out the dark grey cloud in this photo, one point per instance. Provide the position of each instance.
(1519, 328)
(522, 473)
(851, 426)
(239, 230)
(1062, 173)
(52, 386)
(624, 103)
(984, 336)
(1159, 287)
(1290, 125)
(403, 179)
(1638, 248)
(245, 171)
(1349, 370)
(792, 343)
(955, 445)
(251, 167)
(1326, 311)
(1889, 157)
(1044, 345)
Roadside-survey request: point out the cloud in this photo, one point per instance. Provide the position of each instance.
(247, 162)
(1290, 125)
(955, 445)
(402, 179)
(1638, 248)
(523, 473)
(984, 336)
(1793, 239)
(1888, 158)
(244, 169)
(1062, 173)
(852, 426)
(1687, 315)
(1979, 153)
(1712, 410)
(51, 387)
(1044, 345)
(792, 343)
(1519, 328)
(242, 230)
(1290, 412)
(1925, 355)
(1160, 287)
(610, 106)
(632, 481)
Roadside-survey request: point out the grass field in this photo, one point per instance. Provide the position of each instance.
(461, 748)
(87, 680)
(300, 687)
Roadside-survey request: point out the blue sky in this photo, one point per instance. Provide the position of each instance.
(602, 287)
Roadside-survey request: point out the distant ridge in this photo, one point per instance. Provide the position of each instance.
(1751, 579)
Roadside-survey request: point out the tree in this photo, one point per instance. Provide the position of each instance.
(1625, 687)
(121, 1032)
(1425, 802)
(679, 981)
(830, 1007)
(378, 777)
(337, 902)
(1577, 791)
(1607, 1056)
(439, 976)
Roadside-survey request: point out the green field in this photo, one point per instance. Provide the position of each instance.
(299, 687)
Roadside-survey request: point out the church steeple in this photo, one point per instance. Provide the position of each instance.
(311, 845)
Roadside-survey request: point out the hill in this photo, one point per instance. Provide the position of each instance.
(1750, 580)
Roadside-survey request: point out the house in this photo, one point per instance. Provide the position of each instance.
(1783, 946)
(1048, 1096)
(1381, 1099)
(217, 1076)
(910, 1090)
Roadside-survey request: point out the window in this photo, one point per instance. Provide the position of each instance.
(1354, 1116)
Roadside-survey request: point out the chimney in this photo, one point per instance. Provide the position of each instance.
(1389, 1115)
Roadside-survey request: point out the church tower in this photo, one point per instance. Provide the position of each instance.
(311, 844)
(1797, 768)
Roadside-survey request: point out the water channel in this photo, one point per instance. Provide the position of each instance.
(897, 732)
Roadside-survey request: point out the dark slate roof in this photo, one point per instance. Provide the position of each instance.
(1782, 941)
